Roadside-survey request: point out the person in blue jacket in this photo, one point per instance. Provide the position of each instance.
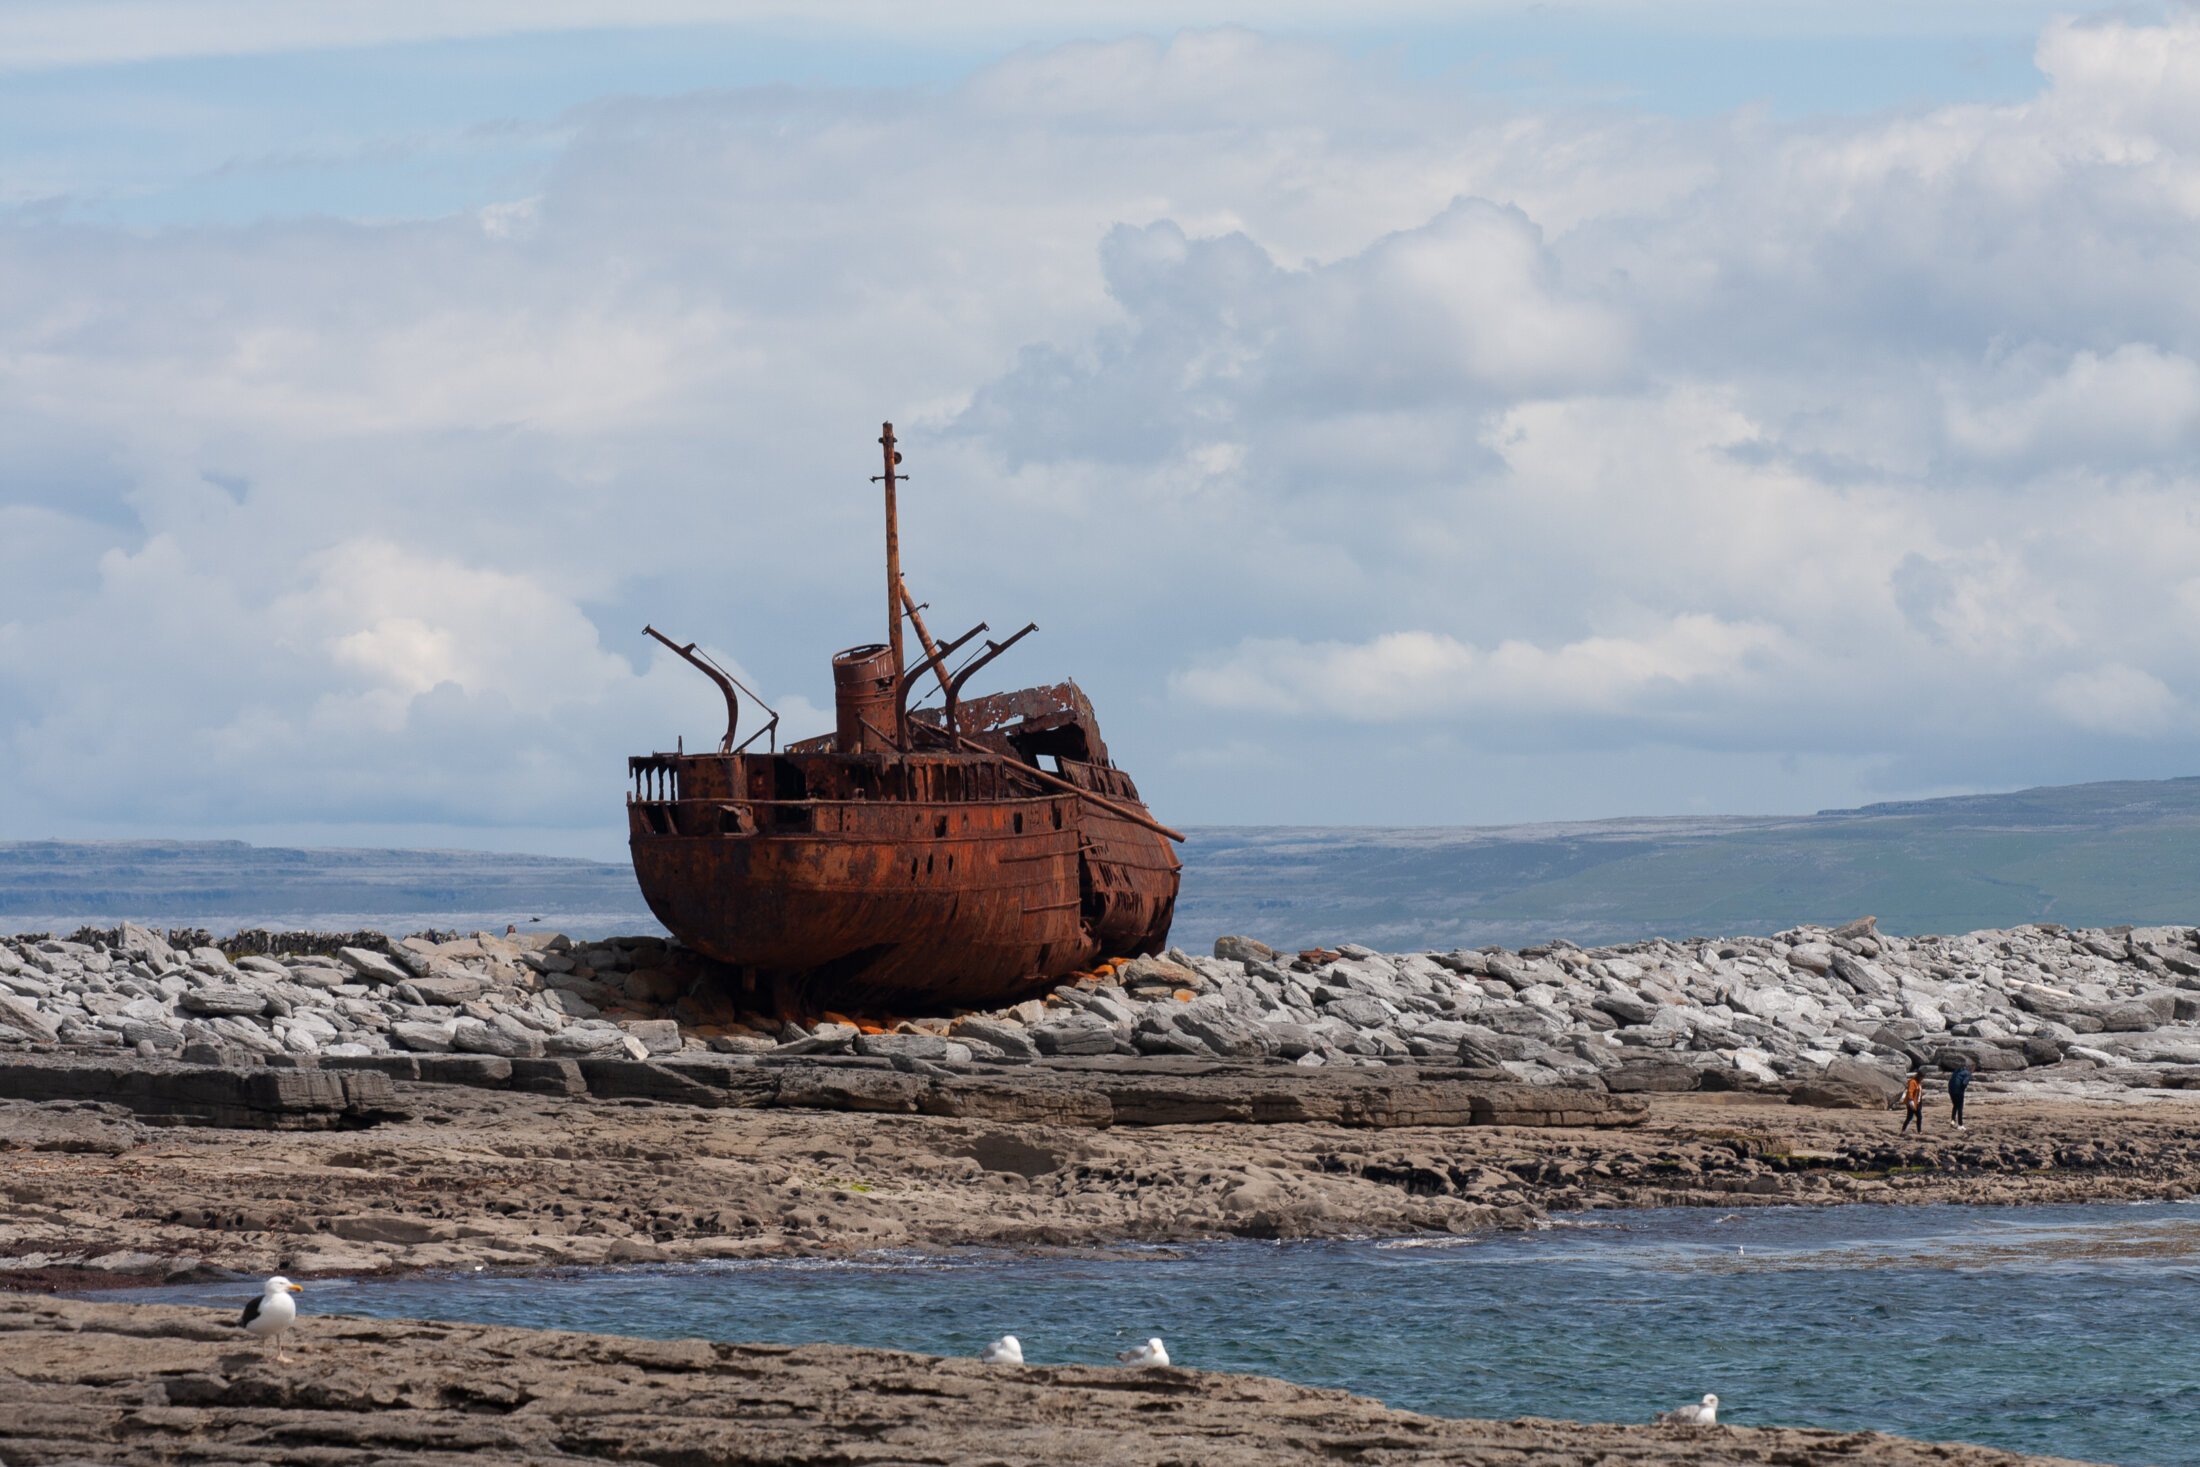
(1958, 1082)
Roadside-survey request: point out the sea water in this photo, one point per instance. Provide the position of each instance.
(2072, 1331)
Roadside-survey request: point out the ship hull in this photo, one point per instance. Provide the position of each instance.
(904, 906)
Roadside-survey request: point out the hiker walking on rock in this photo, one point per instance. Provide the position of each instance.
(1913, 1103)
(1958, 1082)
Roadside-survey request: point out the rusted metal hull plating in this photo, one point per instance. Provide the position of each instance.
(972, 893)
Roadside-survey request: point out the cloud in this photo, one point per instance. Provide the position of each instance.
(1312, 410)
(2136, 404)
(2114, 699)
(1405, 675)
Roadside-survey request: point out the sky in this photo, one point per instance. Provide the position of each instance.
(1390, 413)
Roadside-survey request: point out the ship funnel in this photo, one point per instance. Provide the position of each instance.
(863, 694)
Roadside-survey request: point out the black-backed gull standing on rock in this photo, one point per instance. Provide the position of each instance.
(266, 1317)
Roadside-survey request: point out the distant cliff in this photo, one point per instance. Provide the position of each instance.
(2082, 855)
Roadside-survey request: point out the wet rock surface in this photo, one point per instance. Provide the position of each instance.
(148, 1384)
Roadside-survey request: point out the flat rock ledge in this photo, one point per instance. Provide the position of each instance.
(1096, 1093)
(126, 1384)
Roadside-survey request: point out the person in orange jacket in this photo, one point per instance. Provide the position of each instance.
(1913, 1103)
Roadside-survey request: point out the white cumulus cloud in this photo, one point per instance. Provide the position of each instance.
(1313, 410)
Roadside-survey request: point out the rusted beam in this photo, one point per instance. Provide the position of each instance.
(725, 684)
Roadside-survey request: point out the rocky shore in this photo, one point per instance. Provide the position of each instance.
(1844, 1011)
(1248, 1094)
(87, 1382)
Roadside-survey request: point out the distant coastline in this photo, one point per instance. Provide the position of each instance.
(2079, 855)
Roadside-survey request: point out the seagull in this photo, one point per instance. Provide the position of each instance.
(1007, 1350)
(266, 1317)
(1705, 1413)
(1153, 1352)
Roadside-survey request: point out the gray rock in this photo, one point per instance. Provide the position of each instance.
(584, 1040)
(1013, 1040)
(1244, 950)
(1167, 1040)
(1074, 1034)
(1625, 1010)
(1517, 1018)
(316, 977)
(245, 1035)
(146, 945)
(1853, 972)
(659, 1036)
(160, 1036)
(446, 990)
(424, 1038)
(1849, 1071)
(1227, 1036)
(929, 1047)
(2129, 1018)
(371, 966)
(1358, 1010)
(1161, 973)
(224, 1001)
(1487, 1047)
(18, 1014)
(472, 1036)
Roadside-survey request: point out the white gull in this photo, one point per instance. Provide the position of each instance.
(1153, 1352)
(1701, 1413)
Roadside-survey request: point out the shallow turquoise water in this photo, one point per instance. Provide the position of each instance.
(2067, 1330)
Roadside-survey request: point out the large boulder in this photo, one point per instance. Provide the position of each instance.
(1627, 1010)
(1074, 1034)
(1012, 1040)
(1812, 957)
(1830, 1094)
(1358, 1010)
(1848, 1071)
(2131, 1017)
(658, 1036)
(371, 966)
(425, 1038)
(448, 990)
(1243, 950)
(1228, 1036)
(220, 1001)
(511, 1041)
(21, 1014)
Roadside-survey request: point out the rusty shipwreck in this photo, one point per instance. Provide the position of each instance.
(916, 859)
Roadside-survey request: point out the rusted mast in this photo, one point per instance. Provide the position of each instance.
(893, 549)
